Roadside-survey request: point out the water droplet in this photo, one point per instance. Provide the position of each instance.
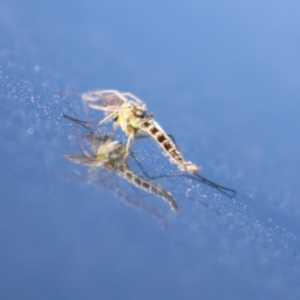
(30, 130)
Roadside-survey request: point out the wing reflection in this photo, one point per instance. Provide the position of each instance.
(105, 156)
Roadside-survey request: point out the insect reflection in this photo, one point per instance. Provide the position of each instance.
(107, 153)
(112, 155)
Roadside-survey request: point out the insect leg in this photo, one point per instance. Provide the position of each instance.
(231, 193)
(132, 96)
(127, 148)
(98, 95)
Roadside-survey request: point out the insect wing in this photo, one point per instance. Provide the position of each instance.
(107, 108)
(83, 160)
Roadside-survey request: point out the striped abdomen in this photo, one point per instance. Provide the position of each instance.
(168, 145)
(146, 185)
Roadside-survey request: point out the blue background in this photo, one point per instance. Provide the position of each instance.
(223, 78)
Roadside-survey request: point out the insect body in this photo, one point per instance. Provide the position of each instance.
(130, 113)
(112, 155)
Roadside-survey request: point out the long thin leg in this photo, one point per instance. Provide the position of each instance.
(231, 193)
(173, 140)
(80, 122)
(109, 116)
(97, 95)
(89, 130)
(134, 97)
(178, 175)
(127, 148)
(122, 97)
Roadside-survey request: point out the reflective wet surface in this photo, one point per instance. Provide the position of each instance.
(222, 79)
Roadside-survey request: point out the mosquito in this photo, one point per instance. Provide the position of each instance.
(130, 113)
(112, 155)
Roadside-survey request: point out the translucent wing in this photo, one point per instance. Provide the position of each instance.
(84, 160)
(108, 108)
